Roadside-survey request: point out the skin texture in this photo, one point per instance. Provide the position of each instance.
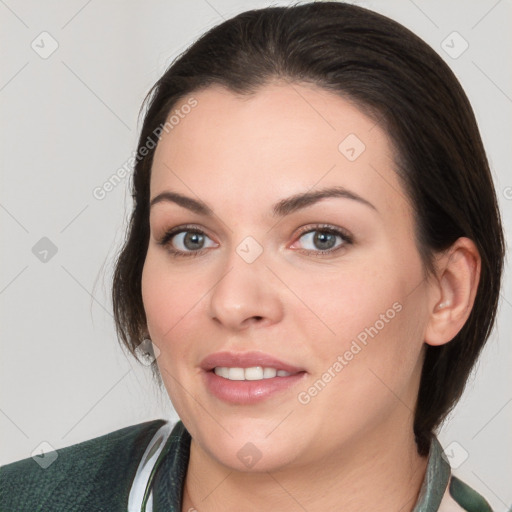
(351, 447)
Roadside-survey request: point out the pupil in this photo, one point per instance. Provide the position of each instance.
(193, 238)
(324, 240)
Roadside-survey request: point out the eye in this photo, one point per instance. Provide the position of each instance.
(324, 239)
(186, 241)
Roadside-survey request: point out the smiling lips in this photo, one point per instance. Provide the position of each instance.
(247, 378)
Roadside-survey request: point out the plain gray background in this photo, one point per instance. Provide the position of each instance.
(69, 122)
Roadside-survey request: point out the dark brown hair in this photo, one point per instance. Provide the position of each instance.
(394, 76)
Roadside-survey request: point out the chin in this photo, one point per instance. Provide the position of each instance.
(253, 457)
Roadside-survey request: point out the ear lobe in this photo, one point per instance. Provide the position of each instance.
(456, 283)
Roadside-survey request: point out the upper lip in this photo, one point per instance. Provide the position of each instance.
(246, 360)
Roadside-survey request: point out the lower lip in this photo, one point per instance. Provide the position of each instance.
(246, 392)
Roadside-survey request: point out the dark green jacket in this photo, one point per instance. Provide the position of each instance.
(98, 475)
(85, 476)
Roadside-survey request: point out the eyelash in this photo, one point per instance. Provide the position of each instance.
(347, 239)
(164, 241)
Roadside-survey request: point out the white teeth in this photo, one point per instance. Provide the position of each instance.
(252, 373)
(236, 374)
(222, 371)
(268, 373)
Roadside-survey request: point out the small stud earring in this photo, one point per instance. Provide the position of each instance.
(442, 305)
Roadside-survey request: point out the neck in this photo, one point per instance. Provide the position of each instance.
(378, 473)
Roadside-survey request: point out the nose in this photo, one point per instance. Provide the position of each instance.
(246, 295)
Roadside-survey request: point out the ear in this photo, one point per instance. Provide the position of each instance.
(453, 291)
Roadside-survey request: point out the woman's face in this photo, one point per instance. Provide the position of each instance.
(330, 289)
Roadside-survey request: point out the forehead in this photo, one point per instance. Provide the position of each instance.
(282, 140)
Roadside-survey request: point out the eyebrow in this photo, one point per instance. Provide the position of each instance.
(280, 209)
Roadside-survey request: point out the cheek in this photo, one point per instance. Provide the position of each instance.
(166, 302)
(349, 304)
(368, 325)
(168, 296)
(175, 303)
(169, 306)
(155, 296)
